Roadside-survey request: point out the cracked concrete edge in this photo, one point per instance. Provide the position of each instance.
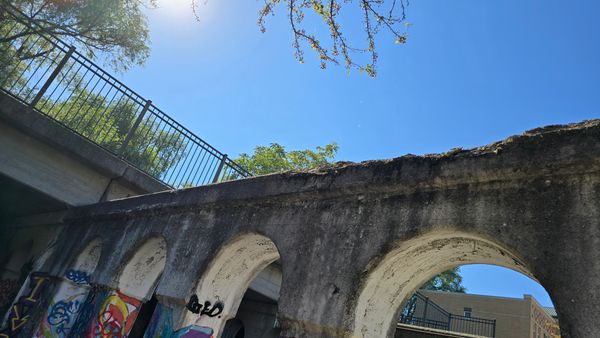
(543, 152)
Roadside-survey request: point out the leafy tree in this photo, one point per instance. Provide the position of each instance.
(274, 158)
(376, 15)
(449, 281)
(115, 29)
(151, 148)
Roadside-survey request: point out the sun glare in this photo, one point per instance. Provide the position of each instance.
(182, 9)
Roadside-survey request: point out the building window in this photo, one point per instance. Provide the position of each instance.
(467, 312)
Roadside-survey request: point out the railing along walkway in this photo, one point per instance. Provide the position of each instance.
(422, 311)
(52, 77)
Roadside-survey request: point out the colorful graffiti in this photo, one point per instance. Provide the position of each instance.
(62, 311)
(161, 326)
(64, 308)
(20, 312)
(161, 323)
(194, 331)
(89, 309)
(116, 316)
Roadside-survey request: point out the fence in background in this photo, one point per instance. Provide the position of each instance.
(422, 311)
(51, 76)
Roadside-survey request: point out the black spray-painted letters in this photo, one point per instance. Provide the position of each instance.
(195, 307)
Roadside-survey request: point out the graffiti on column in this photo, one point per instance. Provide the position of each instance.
(78, 277)
(205, 309)
(161, 323)
(89, 309)
(194, 331)
(20, 312)
(116, 316)
(65, 306)
(161, 326)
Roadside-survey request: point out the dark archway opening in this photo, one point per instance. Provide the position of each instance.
(143, 318)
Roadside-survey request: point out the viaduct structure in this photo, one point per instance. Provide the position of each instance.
(352, 243)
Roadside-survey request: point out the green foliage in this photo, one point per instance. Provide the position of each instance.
(114, 29)
(449, 281)
(274, 158)
(151, 148)
(376, 15)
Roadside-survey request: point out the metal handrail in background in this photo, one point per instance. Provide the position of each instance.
(421, 311)
(51, 76)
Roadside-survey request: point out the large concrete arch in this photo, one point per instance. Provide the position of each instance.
(228, 276)
(402, 270)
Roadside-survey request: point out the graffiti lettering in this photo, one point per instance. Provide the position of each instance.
(78, 277)
(195, 307)
(19, 313)
(62, 316)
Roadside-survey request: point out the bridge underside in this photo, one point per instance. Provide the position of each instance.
(352, 241)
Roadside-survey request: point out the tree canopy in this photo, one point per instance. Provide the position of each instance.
(335, 45)
(449, 280)
(274, 158)
(115, 29)
(118, 30)
(342, 47)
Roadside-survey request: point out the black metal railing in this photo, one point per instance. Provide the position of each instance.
(51, 76)
(422, 311)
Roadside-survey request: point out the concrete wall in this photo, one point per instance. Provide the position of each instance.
(354, 241)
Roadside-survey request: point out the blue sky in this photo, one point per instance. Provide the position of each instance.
(472, 72)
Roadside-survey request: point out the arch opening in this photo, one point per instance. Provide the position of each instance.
(396, 276)
(225, 283)
(481, 300)
(137, 281)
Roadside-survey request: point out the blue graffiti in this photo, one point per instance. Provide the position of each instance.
(61, 315)
(78, 277)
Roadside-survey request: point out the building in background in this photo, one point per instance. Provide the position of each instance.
(513, 317)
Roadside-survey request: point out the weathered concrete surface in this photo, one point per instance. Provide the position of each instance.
(345, 234)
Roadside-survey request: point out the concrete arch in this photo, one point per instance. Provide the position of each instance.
(89, 257)
(227, 277)
(400, 272)
(139, 276)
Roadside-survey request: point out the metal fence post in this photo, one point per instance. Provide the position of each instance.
(425, 308)
(52, 76)
(135, 126)
(218, 173)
